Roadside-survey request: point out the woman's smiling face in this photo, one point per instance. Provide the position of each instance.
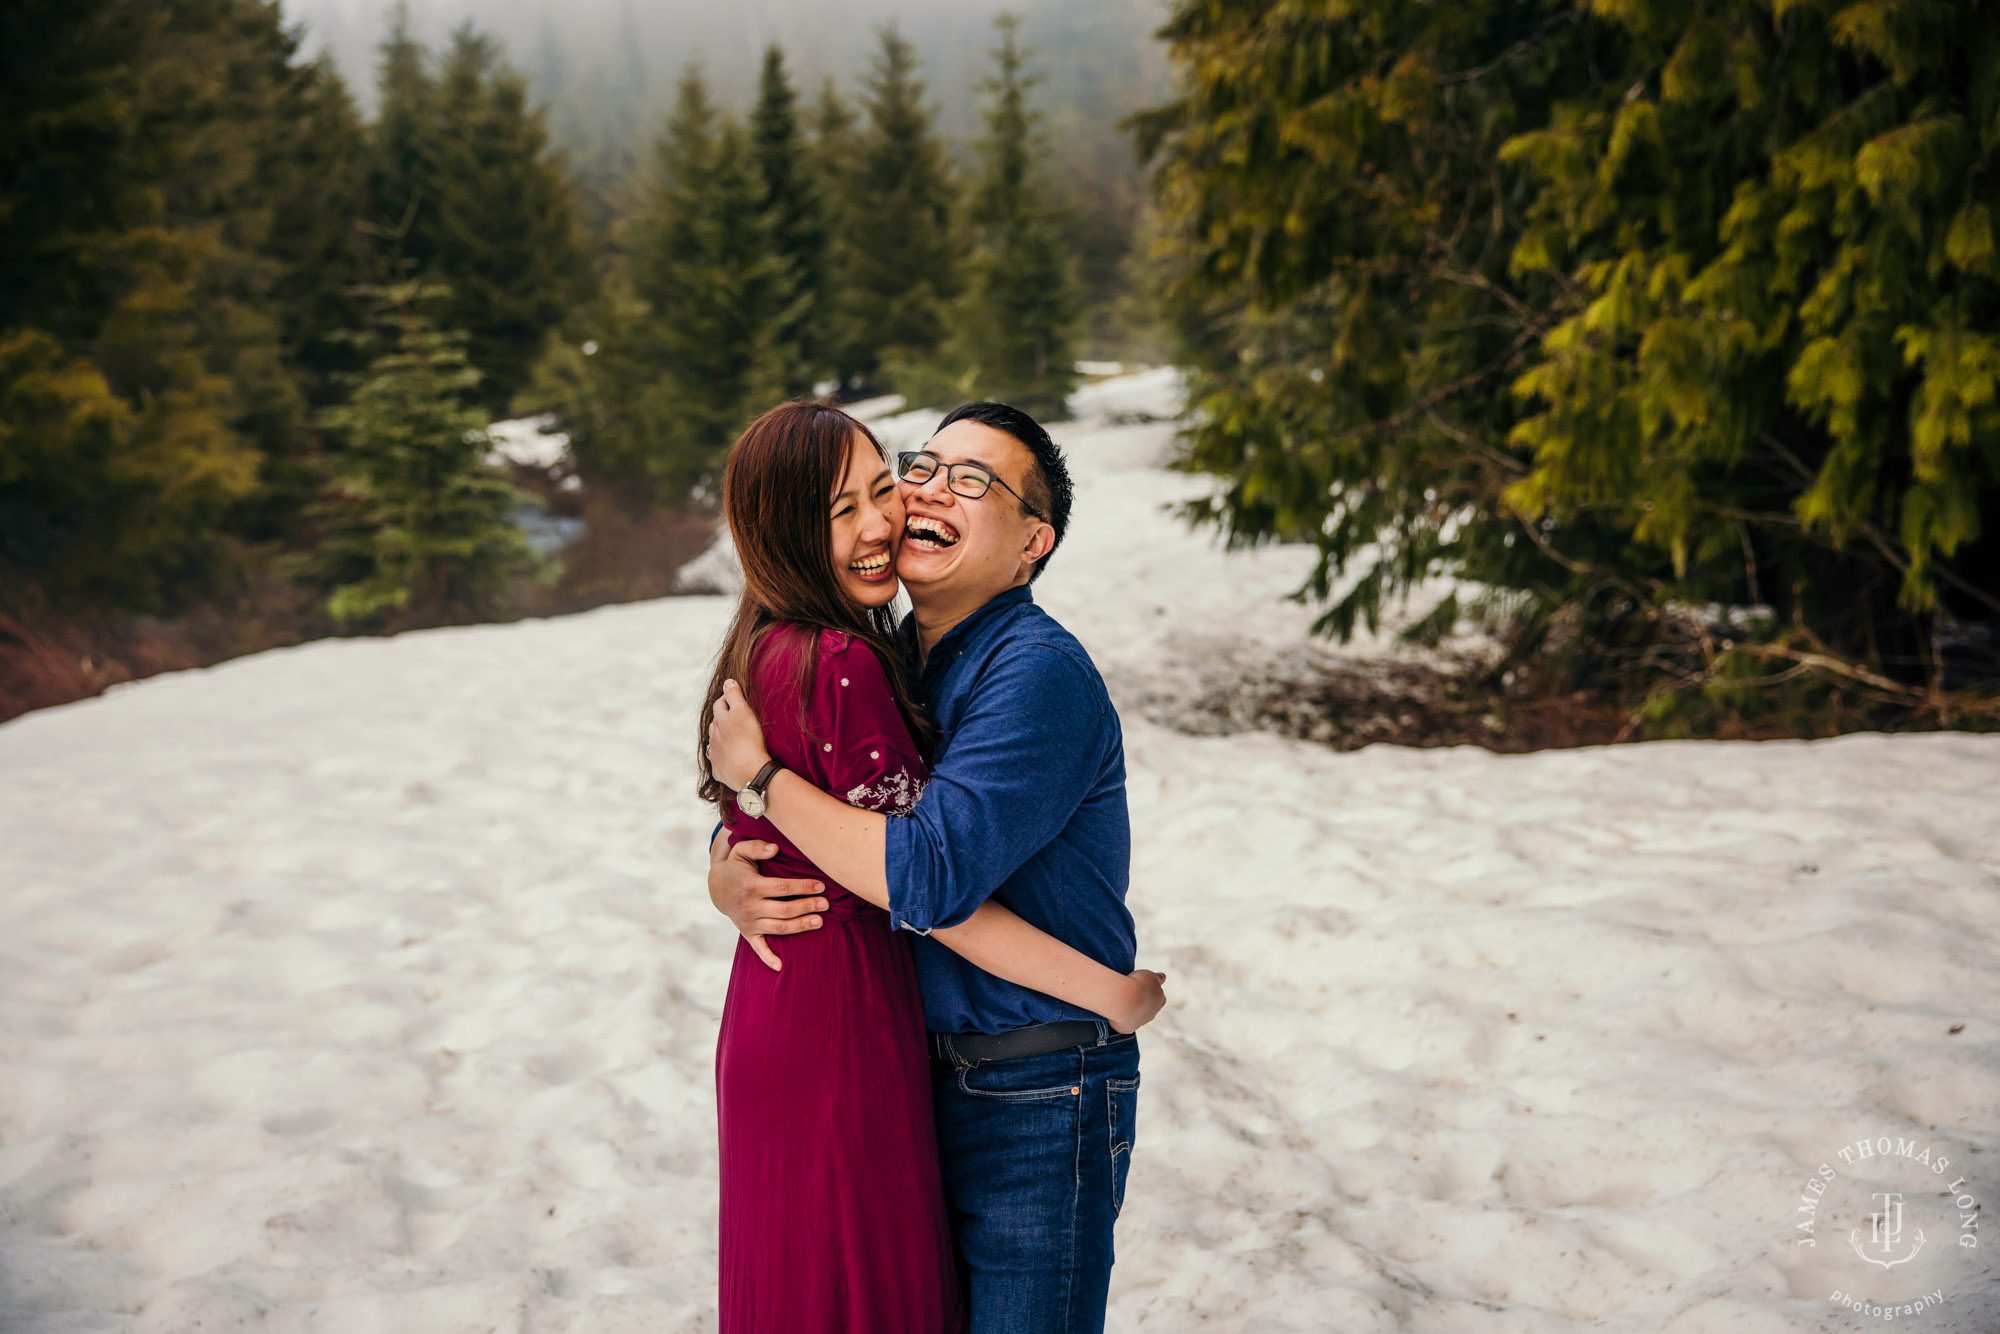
(867, 526)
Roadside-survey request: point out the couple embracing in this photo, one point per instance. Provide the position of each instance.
(928, 1069)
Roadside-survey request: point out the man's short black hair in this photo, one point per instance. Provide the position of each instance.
(1047, 486)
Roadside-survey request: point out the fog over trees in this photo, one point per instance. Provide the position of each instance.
(607, 68)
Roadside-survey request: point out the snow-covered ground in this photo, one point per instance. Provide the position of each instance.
(371, 986)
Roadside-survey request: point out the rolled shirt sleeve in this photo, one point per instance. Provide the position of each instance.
(1021, 760)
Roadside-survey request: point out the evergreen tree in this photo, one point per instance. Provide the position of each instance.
(901, 252)
(404, 141)
(725, 300)
(316, 164)
(500, 229)
(833, 142)
(159, 327)
(420, 526)
(658, 385)
(604, 383)
(1020, 315)
(1618, 311)
(849, 338)
(791, 199)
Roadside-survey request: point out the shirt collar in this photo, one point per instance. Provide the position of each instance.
(1018, 594)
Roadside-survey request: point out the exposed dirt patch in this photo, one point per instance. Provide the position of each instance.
(1347, 703)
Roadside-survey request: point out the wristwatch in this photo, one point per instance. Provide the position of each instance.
(751, 799)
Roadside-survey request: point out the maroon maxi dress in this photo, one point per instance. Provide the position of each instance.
(832, 1215)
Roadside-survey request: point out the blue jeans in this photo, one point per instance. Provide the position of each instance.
(1035, 1152)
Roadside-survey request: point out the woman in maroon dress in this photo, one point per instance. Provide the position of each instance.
(832, 1215)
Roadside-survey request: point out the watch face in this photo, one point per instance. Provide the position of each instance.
(750, 803)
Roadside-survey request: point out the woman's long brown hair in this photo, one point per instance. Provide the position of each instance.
(777, 494)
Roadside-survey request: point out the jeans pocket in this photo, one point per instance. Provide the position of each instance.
(1121, 1098)
(1026, 1079)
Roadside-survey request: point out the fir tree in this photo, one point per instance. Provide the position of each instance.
(317, 165)
(849, 338)
(500, 229)
(833, 141)
(154, 317)
(420, 526)
(604, 383)
(1616, 310)
(901, 253)
(1021, 309)
(706, 339)
(404, 140)
(791, 199)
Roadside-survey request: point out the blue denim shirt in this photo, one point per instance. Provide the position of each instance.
(1026, 802)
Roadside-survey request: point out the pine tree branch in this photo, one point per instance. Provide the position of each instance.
(1549, 27)
(1397, 420)
(1884, 547)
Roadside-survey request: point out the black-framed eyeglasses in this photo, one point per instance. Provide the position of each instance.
(971, 480)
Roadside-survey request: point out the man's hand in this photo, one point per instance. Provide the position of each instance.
(1149, 997)
(735, 740)
(742, 893)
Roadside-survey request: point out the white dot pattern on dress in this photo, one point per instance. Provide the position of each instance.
(843, 680)
(826, 745)
(874, 754)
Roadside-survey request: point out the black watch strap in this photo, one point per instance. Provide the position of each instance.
(763, 778)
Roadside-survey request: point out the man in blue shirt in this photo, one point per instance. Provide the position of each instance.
(1035, 1099)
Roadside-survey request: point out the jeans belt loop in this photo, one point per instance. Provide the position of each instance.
(1103, 1032)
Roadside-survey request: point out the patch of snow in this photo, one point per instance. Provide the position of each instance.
(715, 570)
(1141, 398)
(868, 409)
(527, 441)
(372, 985)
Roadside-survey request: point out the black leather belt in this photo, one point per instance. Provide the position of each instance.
(1034, 1040)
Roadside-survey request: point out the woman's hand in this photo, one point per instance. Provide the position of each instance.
(1149, 996)
(735, 740)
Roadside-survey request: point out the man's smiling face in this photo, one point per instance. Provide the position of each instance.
(955, 547)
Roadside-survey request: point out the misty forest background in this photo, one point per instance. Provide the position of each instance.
(1670, 331)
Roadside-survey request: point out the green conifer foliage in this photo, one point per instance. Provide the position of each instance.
(843, 325)
(901, 251)
(723, 303)
(1021, 309)
(793, 200)
(419, 526)
(467, 194)
(605, 385)
(655, 381)
(404, 146)
(501, 229)
(152, 155)
(317, 164)
(1617, 309)
(1777, 353)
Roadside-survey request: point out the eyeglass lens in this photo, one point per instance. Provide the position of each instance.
(967, 479)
